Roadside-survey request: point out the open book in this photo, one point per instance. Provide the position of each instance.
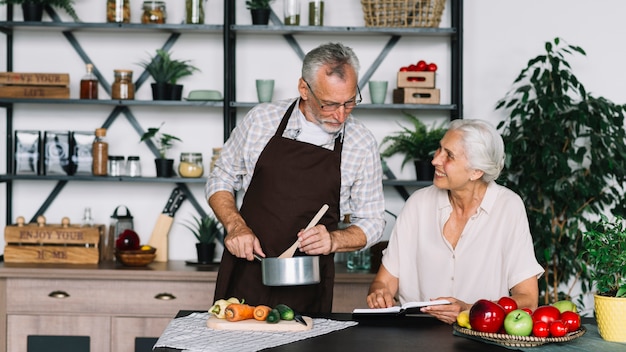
(399, 309)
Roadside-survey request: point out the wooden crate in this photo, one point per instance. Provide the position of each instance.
(34, 92)
(35, 79)
(50, 243)
(416, 96)
(417, 79)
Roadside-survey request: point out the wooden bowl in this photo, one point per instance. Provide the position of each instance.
(136, 257)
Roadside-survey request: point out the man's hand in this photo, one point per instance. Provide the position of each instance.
(242, 243)
(315, 241)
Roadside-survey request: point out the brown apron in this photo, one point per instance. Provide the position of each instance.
(291, 181)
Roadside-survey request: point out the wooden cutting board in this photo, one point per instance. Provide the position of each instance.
(257, 325)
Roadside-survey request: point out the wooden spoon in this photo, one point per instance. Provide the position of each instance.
(288, 253)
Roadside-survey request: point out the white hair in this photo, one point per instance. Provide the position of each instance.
(483, 146)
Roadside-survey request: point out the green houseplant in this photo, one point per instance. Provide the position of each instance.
(65, 5)
(166, 72)
(604, 256)
(163, 142)
(565, 158)
(418, 144)
(206, 229)
(260, 11)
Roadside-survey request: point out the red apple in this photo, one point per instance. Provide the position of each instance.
(508, 304)
(541, 329)
(546, 313)
(128, 240)
(571, 320)
(558, 329)
(486, 316)
(528, 310)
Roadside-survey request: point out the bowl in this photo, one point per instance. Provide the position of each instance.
(136, 257)
(204, 95)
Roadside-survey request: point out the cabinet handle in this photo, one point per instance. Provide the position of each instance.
(165, 296)
(58, 294)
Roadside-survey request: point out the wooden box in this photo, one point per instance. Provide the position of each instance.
(34, 85)
(50, 243)
(416, 79)
(416, 96)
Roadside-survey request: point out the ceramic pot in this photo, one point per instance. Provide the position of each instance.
(33, 12)
(164, 167)
(206, 252)
(611, 317)
(260, 16)
(176, 91)
(424, 170)
(161, 91)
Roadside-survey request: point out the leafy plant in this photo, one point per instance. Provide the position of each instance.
(65, 5)
(418, 143)
(206, 228)
(163, 69)
(566, 158)
(163, 141)
(258, 4)
(605, 256)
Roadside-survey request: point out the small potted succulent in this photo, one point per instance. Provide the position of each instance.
(33, 9)
(163, 142)
(166, 72)
(604, 255)
(417, 144)
(260, 11)
(206, 229)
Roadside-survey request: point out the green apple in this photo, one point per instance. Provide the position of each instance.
(518, 323)
(565, 306)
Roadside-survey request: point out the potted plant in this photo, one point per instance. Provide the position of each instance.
(417, 144)
(163, 143)
(604, 258)
(33, 9)
(566, 158)
(166, 72)
(260, 11)
(206, 229)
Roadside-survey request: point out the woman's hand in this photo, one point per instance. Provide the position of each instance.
(380, 298)
(446, 312)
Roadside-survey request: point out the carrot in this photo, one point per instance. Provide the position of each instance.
(261, 312)
(239, 311)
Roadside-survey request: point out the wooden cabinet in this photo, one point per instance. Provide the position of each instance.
(114, 305)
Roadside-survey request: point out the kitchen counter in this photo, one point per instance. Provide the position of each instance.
(114, 304)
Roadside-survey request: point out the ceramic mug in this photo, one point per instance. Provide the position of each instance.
(378, 91)
(264, 90)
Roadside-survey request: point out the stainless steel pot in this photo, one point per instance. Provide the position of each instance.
(293, 271)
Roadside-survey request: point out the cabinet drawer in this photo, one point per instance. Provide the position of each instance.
(124, 330)
(115, 297)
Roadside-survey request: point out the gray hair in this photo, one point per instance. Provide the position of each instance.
(335, 55)
(483, 145)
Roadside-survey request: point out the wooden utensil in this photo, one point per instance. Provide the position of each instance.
(288, 253)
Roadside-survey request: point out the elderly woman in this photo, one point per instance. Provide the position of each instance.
(463, 239)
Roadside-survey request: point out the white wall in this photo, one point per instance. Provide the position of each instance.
(500, 37)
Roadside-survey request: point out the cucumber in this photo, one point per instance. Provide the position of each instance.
(286, 313)
(273, 317)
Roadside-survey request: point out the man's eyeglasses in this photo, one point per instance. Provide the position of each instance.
(349, 105)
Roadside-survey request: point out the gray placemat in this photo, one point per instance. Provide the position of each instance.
(191, 334)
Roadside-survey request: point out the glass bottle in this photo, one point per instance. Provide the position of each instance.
(87, 218)
(118, 11)
(100, 150)
(133, 166)
(316, 13)
(89, 84)
(153, 12)
(195, 11)
(123, 87)
(190, 165)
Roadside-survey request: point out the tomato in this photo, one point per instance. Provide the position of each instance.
(421, 65)
(404, 69)
(432, 67)
(541, 329)
(571, 320)
(546, 313)
(508, 304)
(558, 328)
(412, 67)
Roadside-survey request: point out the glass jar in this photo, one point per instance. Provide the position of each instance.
(133, 166)
(153, 12)
(118, 11)
(195, 11)
(190, 165)
(123, 87)
(116, 165)
(316, 13)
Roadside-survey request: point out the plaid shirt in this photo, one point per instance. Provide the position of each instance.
(361, 172)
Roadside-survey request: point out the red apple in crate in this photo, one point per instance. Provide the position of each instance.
(508, 304)
(546, 313)
(486, 316)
